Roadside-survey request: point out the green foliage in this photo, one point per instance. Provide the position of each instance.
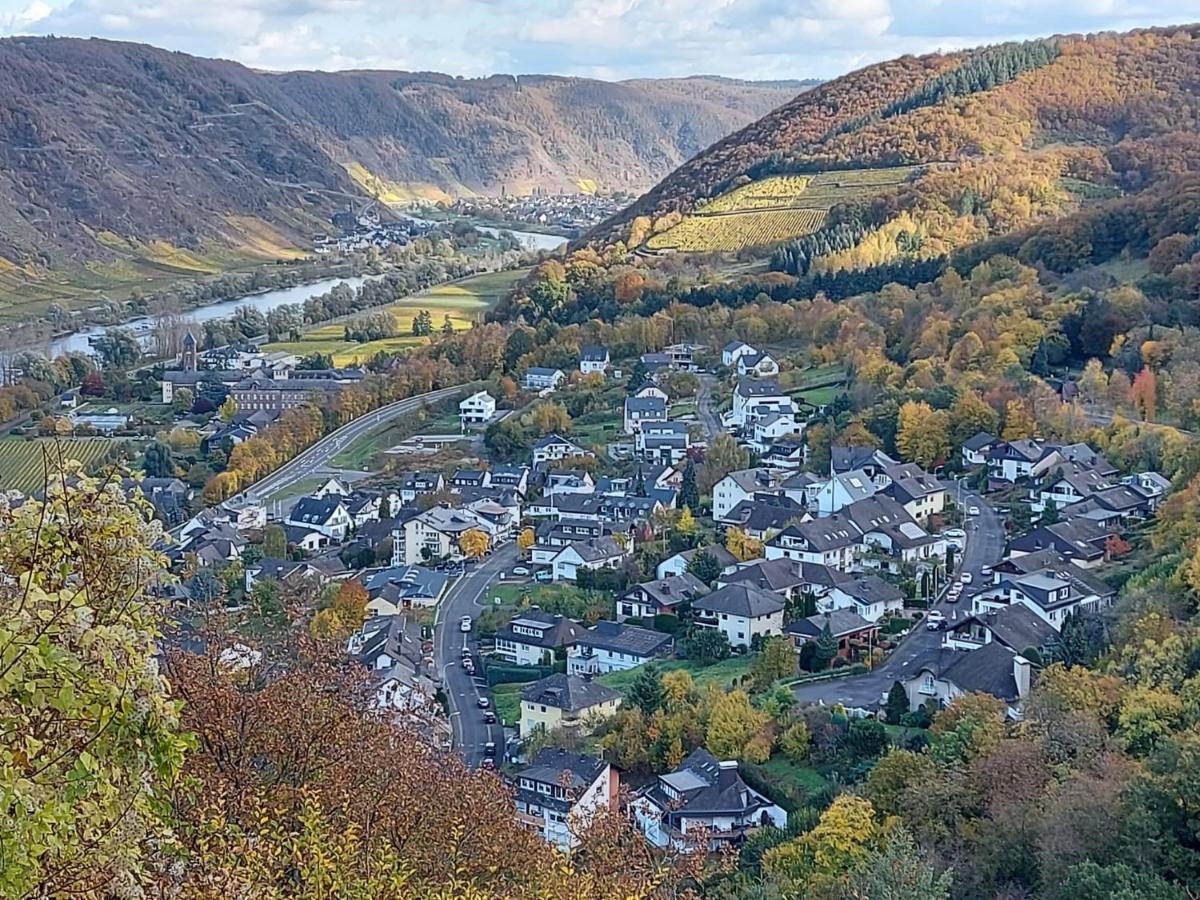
(825, 649)
(646, 692)
(707, 646)
(157, 460)
(704, 566)
(897, 703)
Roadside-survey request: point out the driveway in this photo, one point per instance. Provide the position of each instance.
(704, 407)
(985, 547)
(468, 597)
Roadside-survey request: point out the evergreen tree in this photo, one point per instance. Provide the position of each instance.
(897, 703)
(827, 647)
(1050, 514)
(704, 566)
(637, 377)
(639, 484)
(646, 692)
(157, 460)
(689, 492)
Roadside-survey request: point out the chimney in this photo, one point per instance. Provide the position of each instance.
(1021, 675)
(728, 773)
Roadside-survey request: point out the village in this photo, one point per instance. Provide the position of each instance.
(515, 601)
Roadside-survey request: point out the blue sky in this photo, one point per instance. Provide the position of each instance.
(612, 39)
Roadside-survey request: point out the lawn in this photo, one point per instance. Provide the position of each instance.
(507, 698)
(786, 773)
(464, 302)
(684, 408)
(822, 395)
(722, 674)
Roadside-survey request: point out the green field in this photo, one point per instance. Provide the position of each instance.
(23, 463)
(787, 774)
(723, 674)
(507, 698)
(465, 302)
(363, 452)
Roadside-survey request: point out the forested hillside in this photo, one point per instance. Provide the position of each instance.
(105, 145)
(993, 140)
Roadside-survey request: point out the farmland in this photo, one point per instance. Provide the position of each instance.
(774, 209)
(464, 302)
(23, 463)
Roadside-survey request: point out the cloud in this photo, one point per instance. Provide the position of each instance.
(608, 38)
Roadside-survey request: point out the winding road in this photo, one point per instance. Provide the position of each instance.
(704, 407)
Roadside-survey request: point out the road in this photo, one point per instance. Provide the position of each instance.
(985, 547)
(704, 407)
(319, 455)
(468, 597)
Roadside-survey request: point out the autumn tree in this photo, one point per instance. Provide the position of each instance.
(1144, 394)
(274, 541)
(922, 434)
(741, 545)
(228, 410)
(777, 660)
(1093, 383)
(343, 616)
(526, 539)
(473, 543)
(732, 723)
(723, 456)
(1018, 422)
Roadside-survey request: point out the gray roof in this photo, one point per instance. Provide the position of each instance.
(596, 549)
(646, 404)
(625, 639)
(557, 631)
(570, 693)
(561, 768)
(315, 510)
(846, 459)
(593, 353)
(840, 621)
(870, 589)
(988, 670)
(723, 557)
(1016, 626)
(672, 589)
(979, 441)
(744, 600)
(767, 387)
(782, 574)
(542, 371)
(761, 515)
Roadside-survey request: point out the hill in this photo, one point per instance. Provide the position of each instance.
(920, 155)
(118, 155)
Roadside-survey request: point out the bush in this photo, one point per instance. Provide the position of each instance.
(634, 620)
(667, 624)
(503, 674)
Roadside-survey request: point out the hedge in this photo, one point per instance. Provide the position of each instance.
(667, 624)
(502, 674)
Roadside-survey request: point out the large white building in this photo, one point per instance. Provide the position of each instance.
(559, 792)
(741, 612)
(477, 409)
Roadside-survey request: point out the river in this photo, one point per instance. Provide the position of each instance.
(78, 341)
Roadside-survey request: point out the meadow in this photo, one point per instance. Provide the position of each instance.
(465, 302)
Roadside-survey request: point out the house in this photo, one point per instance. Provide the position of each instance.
(169, 496)
(1063, 485)
(843, 490)
(859, 459)
(363, 507)
(867, 595)
(833, 541)
(742, 485)
(753, 400)
(740, 612)
(920, 493)
(593, 553)
(566, 701)
(758, 365)
(470, 478)
(650, 389)
(615, 647)
(703, 799)
(327, 515)
(1121, 503)
(1009, 461)
(559, 792)
(569, 481)
(477, 409)
(733, 351)
(303, 538)
(434, 534)
(553, 448)
(280, 570)
(789, 454)
(766, 432)
(1052, 592)
(944, 675)
(764, 516)
(551, 536)
(333, 486)
(662, 442)
(593, 358)
(678, 564)
(1016, 627)
(540, 378)
(642, 410)
(281, 394)
(1080, 540)
(888, 530)
(852, 632)
(659, 597)
(683, 356)
(1153, 485)
(514, 478)
(533, 637)
(975, 449)
(418, 484)
(397, 588)
(790, 579)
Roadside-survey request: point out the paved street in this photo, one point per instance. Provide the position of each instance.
(705, 408)
(985, 546)
(468, 597)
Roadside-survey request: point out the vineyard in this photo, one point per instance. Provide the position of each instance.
(775, 209)
(23, 463)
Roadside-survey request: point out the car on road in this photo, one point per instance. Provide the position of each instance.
(488, 763)
(468, 664)
(954, 534)
(520, 570)
(489, 749)
(934, 621)
(489, 717)
(484, 702)
(464, 624)
(986, 571)
(966, 578)
(544, 576)
(953, 594)
(972, 510)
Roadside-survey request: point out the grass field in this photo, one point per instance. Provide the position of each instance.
(22, 462)
(786, 773)
(507, 698)
(363, 452)
(775, 209)
(723, 674)
(464, 302)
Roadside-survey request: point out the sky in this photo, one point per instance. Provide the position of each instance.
(610, 39)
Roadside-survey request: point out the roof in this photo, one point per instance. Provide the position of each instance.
(751, 480)
(723, 557)
(840, 621)
(766, 387)
(776, 574)
(705, 786)
(1016, 626)
(570, 693)
(555, 766)
(556, 631)
(988, 670)
(870, 589)
(761, 515)
(593, 353)
(827, 533)
(596, 549)
(672, 589)
(744, 600)
(315, 510)
(734, 345)
(1079, 537)
(979, 441)
(543, 371)
(624, 639)
(846, 459)
(646, 404)
(551, 439)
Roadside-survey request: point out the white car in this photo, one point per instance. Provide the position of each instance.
(972, 510)
(986, 571)
(966, 578)
(954, 534)
(934, 621)
(464, 624)
(520, 570)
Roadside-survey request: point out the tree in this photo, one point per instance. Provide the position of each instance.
(686, 524)
(689, 491)
(897, 703)
(1144, 394)
(117, 349)
(90, 740)
(826, 649)
(707, 645)
(182, 400)
(1050, 514)
(447, 325)
(637, 377)
(741, 545)
(777, 660)
(1115, 547)
(704, 566)
(724, 455)
(732, 724)
(795, 742)
(1093, 383)
(93, 384)
(646, 691)
(922, 434)
(1018, 422)
(526, 539)
(204, 588)
(968, 728)
(473, 543)
(228, 409)
(897, 872)
(274, 541)
(157, 460)
(344, 615)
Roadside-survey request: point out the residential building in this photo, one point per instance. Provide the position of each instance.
(327, 515)
(703, 800)
(740, 612)
(742, 485)
(533, 637)
(765, 434)
(975, 449)
(279, 570)
(842, 490)
(1119, 504)
(662, 442)
(659, 597)
(867, 595)
(920, 493)
(834, 541)
(418, 484)
(593, 553)
(477, 409)
(764, 516)
(1081, 540)
(540, 378)
(757, 365)
(615, 647)
(754, 400)
(1016, 627)
(559, 793)
(397, 588)
(853, 633)
(434, 534)
(566, 701)
(944, 675)
(514, 478)
(281, 394)
(593, 358)
(1009, 461)
(678, 564)
(1052, 592)
(859, 459)
(470, 478)
(733, 351)
(683, 356)
(640, 411)
(553, 448)
(650, 389)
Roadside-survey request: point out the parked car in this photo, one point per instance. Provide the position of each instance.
(488, 763)
(484, 702)
(464, 624)
(966, 578)
(986, 571)
(544, 575)
(934, 621)
(489, 749)
(520, 570)
(468, 664)
(972, 510)
(489, 717)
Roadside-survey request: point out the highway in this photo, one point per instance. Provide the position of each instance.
(468, 597)
(985, 547)
(319, 455)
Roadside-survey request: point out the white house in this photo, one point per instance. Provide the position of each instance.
(559, 793)
(868, 595)
(650, 389)
(540, 378)
(553, 448)
(975, 449)
(326, 515)
(435, 533)
(766, 431)
(1053, 592)
(593, 358)
(757, 365)
(733, 351)
(834, 541)
(613, 647)
(743, 485)
(477, 409)
(532, 638)
(753, 400)
(640, 411)
(740, 612)
(944, 675)
(842, 490)
(678, 564)
(665, 442)
(593, 553)
(1012, 460)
